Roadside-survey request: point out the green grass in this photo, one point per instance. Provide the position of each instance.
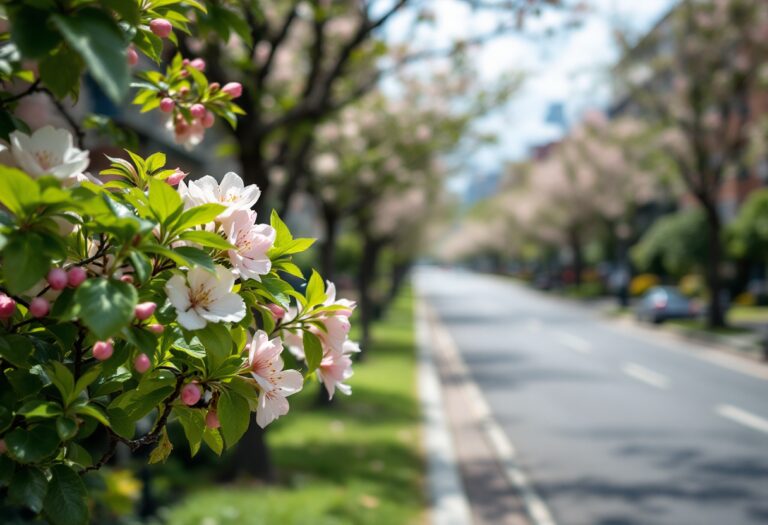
(748, 315)
(697, 325)
(357, 462)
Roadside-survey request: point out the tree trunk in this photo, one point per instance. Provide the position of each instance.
(255, 172)
(365, 279)
(328, 247)
(251, 457)
(577, 255)
(715, 314)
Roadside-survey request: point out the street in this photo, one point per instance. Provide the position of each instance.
(614, 425)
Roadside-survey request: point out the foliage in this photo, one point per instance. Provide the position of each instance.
(125, 302)
(383, 484)
(747, 235)
(673, 244)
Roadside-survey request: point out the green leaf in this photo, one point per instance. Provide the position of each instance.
(106, 306)
(31, 33)
(217, 342)
(24, 262)
(66, 500)
(193, 422)
(7, 467)
(155, 161)
(79, 455)
(164, 200)
(315, 292)
(163, 449)
(199, 215)
(95, 412)
(32, 445)
(16, 349)
(61, 72)
(212, 438)
(28, 488)
(283, 234)
(207, 239)
(39, 408)
(127, 9)
(84, 381)
(100, 42)
(313, 350)
(66, 427)
(62, 379)
(234, 414)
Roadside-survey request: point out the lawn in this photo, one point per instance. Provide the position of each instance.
(356, 462)
(748, 315)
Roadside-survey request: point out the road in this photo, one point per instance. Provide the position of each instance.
(614, 425)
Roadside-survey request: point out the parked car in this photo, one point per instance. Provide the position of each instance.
(662, 303)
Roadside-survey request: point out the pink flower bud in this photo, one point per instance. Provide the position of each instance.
(185, 62)
(198, 64)
(176, 177)
(197, 110)
(208, 119)
(133, 56)
(39, 307)
(142, 363)
(184, 73)
(180, 128)
(184, 91)
(167, 104)
(127, 279)
(212, 419)
(57, 278)
(213, 87)
(156, 328)
(144, 311)
(233, 89)
(278, 312)
(161, 27)
(76, 276)
(7, 306)
(191, 394)
(102, 350)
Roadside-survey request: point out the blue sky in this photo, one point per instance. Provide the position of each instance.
(569, 67)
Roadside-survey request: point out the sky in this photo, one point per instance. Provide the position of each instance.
(569, 67)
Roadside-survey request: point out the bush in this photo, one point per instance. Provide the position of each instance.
(642, 283)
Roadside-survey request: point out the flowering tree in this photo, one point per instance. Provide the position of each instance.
(703, 92)
(132, 295)
(302, 62)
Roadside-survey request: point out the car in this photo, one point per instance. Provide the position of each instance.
(662, 303)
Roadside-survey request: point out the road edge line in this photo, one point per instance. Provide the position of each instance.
(449, 504)
(536, 509)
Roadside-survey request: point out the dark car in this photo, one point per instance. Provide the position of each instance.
(661, 303)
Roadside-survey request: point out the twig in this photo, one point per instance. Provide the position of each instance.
(79, 133)
(34, 87)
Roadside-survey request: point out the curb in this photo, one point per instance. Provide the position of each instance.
(537, 511)
(448, 501)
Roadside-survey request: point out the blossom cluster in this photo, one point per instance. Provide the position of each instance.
(173, 279)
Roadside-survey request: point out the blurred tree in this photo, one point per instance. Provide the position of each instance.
(674, 244)
(747, 235)
(302, 61)
(700, 91)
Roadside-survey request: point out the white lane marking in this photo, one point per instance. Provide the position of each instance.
(645, 375)
(575, 343)
(676, 343)
(748, 419)
(537, 510)
(450, 505)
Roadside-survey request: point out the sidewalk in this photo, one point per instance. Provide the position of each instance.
(495, 489)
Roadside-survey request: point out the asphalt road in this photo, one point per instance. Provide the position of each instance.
(613, 424)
